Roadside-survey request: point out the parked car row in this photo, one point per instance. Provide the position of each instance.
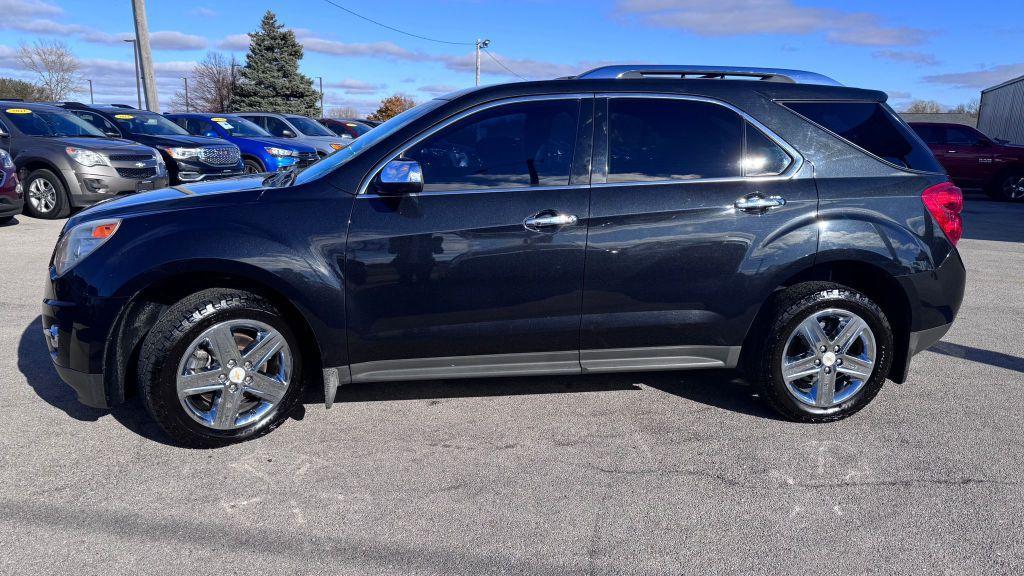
(69, 155)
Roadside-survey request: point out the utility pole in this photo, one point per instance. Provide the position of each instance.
(186, 94)
(322, 115)
(138, 85)
(234, 84)
(145, 55)
(91, 101)
(480, 45)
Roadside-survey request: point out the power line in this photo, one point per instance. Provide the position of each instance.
(392, 28)
(500, 63)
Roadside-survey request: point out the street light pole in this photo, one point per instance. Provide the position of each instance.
(138, 82)
(186, 93)
(91, 101)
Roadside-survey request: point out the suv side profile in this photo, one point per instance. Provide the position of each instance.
(66, 163)
(630, 218)
(261, 152)
(298, 129)
(973, 160)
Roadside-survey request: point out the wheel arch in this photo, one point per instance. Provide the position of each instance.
(144, 308)
(872, 280)
(28, 165)
(254, 158)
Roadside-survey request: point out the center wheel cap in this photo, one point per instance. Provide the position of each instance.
(237, 375)
(828, 359)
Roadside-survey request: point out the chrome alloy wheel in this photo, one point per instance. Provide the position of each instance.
(828, 358)
(1013, 187)
(42, 195)
(234, 374)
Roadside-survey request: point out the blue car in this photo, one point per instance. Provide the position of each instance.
(261, 151)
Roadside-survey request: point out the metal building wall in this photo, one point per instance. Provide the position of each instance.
(1002, 111)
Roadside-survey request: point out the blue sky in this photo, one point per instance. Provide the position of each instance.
(945, 51)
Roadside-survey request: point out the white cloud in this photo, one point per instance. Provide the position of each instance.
(174, 40)
(919, 58)
(351, 86)
(235, 43)
(751, 17)
(975, 79)
(23, 8)
(438, 89)
(203, 12)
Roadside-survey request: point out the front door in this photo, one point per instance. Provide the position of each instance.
(965, 156)
(690, 204)
(482, 272)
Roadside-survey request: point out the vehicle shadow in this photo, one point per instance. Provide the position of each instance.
(987, 219)
(997, 359)
(720, 389)
(35, 365)
(11, 223)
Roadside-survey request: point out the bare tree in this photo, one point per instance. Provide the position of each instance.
(924, 107)
(210, 85)
(343, 112)
(970, 108)
(392, 106)
(54, 64)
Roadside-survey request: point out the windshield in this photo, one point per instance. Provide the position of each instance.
(147, 123)
(51, 123)
(239, 127)
(309, 127)
(339, 158)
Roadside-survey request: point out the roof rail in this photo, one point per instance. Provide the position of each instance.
(123, 106)
(631, 71)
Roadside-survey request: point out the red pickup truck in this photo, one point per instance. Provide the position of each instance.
(974, 160)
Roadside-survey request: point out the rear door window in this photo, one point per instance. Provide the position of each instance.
(871, 126)
(275, 126)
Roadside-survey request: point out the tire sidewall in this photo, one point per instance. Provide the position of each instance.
(60, 206)
(163, 388)
(1001, 186)
(843, 299)
(255, 164)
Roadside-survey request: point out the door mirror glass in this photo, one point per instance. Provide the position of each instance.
(287, 133)
(113, 134)
(210, 134)
(400, 177)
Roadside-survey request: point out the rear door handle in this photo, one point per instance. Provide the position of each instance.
(549, 220)
(757, 203)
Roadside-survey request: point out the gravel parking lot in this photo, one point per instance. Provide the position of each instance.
(681, 473)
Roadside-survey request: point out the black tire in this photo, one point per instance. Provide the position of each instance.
(1001, 187)
(62, 204)
(168, 342)
(253, 166)
(790, 309)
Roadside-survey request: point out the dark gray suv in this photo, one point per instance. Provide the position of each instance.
(65, 162)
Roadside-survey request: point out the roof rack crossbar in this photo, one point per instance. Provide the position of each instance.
(628, 71)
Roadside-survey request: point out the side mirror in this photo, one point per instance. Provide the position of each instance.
(400, 177)
(3, 133)
(112, 134)
(210, 134)
(286, 133)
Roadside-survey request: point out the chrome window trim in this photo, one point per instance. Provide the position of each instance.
(788, 173)
(405, 146)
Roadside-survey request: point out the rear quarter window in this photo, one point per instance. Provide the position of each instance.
(871, 126)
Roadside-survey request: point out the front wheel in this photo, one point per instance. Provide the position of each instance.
(827, 354)
(253, 166)
(220, 366)
(1008, 187)
(45, 195)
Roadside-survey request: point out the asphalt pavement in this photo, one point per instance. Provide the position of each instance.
(676, 473)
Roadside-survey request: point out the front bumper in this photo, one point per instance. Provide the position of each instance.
(191, 171)
(88, 188)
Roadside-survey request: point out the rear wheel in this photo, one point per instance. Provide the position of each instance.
(827, 354)
(220, 366)
(1008, 186)
(45, 195)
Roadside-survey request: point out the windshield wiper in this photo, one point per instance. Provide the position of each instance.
(282, 179)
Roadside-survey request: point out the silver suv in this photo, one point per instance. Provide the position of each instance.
(65, 162)
(304, 130)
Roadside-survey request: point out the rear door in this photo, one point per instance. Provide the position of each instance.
(481, 273)
(686, 199)
(965, 156)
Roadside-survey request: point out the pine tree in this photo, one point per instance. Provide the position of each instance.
(270, 81)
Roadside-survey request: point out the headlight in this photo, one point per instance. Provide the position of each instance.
(183, 153)
(281, 152)
(5, 159)
(85, 157)
(337, 146)
(81, 241)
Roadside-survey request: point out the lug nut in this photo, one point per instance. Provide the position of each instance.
(817, 362)
(839, 362)
(836, 349)
(248, 379)
(231, 363)
(232, 388)
(822, 348)
(222, 377)
(248, 365)
(828, 370)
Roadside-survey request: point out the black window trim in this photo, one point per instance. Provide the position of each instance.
(413, 141)
(885, 106)
(788, 173)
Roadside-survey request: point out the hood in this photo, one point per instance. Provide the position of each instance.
(248, 189)
(322, 143)
(175, 140)
(286, 143)
(100, 143)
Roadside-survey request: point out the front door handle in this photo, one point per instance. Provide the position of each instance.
(549, 220)
(757, 203)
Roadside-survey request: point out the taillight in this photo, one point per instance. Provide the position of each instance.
(945, 202)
